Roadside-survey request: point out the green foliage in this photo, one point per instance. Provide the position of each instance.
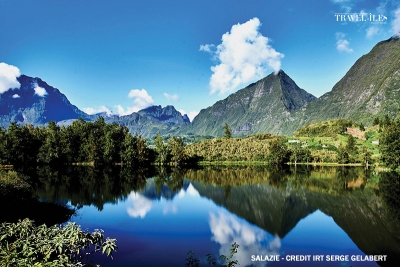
(299, 154)
(177, 150)
(279, 153)
(389, 144)
(366, 156)
(227, 131)
(227, 260)
(24, 244)
(95, 142)
(162, 150)
(12, 184)
(325, 128)
(343, 155)
(251, 148)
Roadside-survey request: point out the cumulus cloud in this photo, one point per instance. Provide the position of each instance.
(252, 240)
(372, 31)
(40, 91)
(396, 23)
(190, 114)
(141, 100)
(91, 111)
(8, 77)
(243, 57)
(16, 96)
(140, 205)
(342, 45)
(173, 97)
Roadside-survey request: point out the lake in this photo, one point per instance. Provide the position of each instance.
(309, 216)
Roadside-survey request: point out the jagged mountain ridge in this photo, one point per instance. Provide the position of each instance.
(27, 106)
(149, 121)
(275, 104)
(260, 107)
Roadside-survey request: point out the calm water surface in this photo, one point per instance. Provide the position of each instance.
(315, 212)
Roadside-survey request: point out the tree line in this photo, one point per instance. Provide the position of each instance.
(95, 142)
(101, 143)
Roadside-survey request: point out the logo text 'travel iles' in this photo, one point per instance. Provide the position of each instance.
(360, 17)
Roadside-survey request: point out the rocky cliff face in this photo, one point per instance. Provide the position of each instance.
(260, 107)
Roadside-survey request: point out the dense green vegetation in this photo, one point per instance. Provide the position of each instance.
(97, 142)
(24, 244)
(324, 129)
(227, 261)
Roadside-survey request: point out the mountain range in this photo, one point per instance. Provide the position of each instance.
(274, 104)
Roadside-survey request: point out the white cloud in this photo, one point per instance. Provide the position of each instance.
(190, 115)
(227, 229)
(372, 31)
(91, 111)
(16, 96)
(141, 100)
(396, 23)
(244, 56)
(140, 205)
(207, 48)
(173, 97)
(40, 91)
(342, 45)
(8, 77)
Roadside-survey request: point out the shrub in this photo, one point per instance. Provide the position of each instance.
(24, 244)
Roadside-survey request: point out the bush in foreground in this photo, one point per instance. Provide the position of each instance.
(24, 244)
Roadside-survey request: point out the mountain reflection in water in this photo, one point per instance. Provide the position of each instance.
(316, 211)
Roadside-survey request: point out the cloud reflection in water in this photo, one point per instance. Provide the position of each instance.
(227, 229)
(140, 205)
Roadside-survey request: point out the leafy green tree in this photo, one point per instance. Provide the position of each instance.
(366, 158)
(161, 149)
(19, 145)
(142, 149)
(129, 151)
(227, 131)
(177, 148)
(50, 151)
(343, 155)
(279, 153)
(389, 145)
(299, 154)
(113, 139)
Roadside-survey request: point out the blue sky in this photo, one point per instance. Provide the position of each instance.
(125, 55)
